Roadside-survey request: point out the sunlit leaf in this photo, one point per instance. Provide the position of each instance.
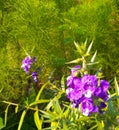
(116, 85)
(16, 108)
(22, 119)
(37, 120)
(74, 61)
(77, 45)
(6, 112)
(50, 115)
(66, 112)
(89, 48)
(40, 91)
(94, 56)
(56, 106)
(54, 125)
(63, 83)
(49, 105)
(94, 63)
(39, 102)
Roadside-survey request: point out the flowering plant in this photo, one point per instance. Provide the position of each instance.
(87, 92)
(26, 65)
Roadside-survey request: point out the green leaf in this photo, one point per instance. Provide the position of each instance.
(100, 125)
(6, 112)
(66, 112)
(77, 45)
(117, 88)
(94, 63)
(37, 120)
(65, 126)
(117, 128)
(54, 125)
(94, 56)
(111, 108)
(1, 89)
(38, 102)
(1, 123)
(50, 115)
(22, 119)
(40, 91)
(74, 61)
(113, 98)
(50, 104)
(81, 48)
(16, 108)
(56, 106)
(63, 83)
(89, 48)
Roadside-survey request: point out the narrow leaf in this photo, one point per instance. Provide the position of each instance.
(1, 123)
(21, 119)
(50, 104)
(6, 112)
(63, 83)
(40, 91)
(16, 109)
(76, 45)
(94, 56)
(94, 63)
(37, 120)
(117, 86)
(57, 107)
(38, 102)
(1, 89)
(54, 125)
(89, 48)
(74, 61)
(50, 115)
(66, 113)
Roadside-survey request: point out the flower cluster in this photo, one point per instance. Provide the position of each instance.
(85, 91)
(26, 65)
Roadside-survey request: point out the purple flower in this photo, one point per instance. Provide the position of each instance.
(74, 94)
(73, 77)
(35, 76)
(26, 64)
(73, 82)
(101, 91)
(88, 106)
(89, 83)
(74, 71)
(84, 90)
(34, 59)
(102, 105)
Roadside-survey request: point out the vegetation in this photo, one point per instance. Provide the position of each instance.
(47, 30)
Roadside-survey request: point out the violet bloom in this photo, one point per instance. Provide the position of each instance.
(74, 70)
(89, 83)
(88, 106)
(26, 64)
(34, 59)
(35, 76)
(101, 91)
(84, 90)
(102, 105)
(70, 79)
(74, 91)
(74, 94)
